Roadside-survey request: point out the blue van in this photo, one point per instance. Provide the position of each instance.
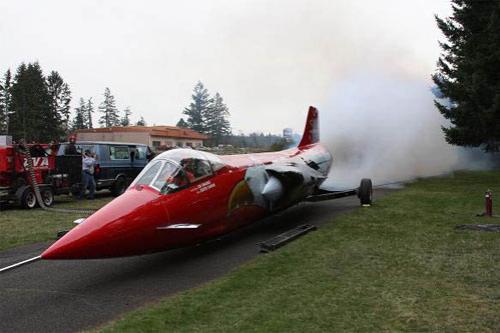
(118, 163)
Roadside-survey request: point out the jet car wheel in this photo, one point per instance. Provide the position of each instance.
(365, 191)
(29, 199)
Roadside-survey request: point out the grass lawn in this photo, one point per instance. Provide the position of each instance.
(25, 226)
(397, 266)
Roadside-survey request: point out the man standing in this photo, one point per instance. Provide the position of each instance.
(71, 147)
(88, 164)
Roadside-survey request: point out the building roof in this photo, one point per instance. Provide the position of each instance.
(165, 131)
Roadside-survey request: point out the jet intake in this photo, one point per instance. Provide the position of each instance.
(273, 190)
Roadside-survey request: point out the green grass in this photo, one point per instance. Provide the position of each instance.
(24, 226)
(397, 266)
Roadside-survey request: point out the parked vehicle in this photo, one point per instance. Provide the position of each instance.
(53, 174)
(117, 163)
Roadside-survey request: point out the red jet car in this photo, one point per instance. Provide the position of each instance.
(184, 196)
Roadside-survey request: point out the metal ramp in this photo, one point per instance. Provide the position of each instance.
(288, 236)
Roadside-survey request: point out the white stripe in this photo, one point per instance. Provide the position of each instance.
(180, 226)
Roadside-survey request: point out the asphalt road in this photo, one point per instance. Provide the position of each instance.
(68, 296)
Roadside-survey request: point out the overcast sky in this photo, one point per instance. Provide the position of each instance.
(268, 59)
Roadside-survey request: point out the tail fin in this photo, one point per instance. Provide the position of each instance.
(311, 132)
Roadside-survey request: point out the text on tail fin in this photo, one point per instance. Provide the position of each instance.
(311, 131)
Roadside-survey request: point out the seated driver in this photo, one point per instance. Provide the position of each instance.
(188, 167)
(178, 180)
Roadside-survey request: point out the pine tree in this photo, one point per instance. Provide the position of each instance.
(467, 74)
(125, 121)
(198, 108)
(216, 122)
(89, 107)
(109, 111)
(80, 121)
(60, 95)
(31, 116)
(182, 123)
(4, 91)
(5, 101)
(141, 122)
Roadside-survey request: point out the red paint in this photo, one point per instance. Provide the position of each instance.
(137, 221)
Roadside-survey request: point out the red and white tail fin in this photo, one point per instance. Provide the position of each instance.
(311, 132)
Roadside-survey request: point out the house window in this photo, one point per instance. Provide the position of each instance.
(156, 144)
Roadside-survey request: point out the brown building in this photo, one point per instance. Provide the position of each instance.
(157, 137)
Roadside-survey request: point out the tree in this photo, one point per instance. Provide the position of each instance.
(198, 108)
(109, 111)
(467, 74)
(31, 115)
(125, 121)
(182, 123)
(141, 122)
(90, 109)
(5, 97)
(80, 121)
(216, 123)
(60, 96)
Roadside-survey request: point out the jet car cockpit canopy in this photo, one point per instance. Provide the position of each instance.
(177, 168)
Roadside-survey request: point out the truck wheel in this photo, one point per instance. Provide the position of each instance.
(47, 196)
(365, 191)
(28, 199)
(75, 190)
(119, 186)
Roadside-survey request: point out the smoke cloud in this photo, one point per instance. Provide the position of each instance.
(384, 126)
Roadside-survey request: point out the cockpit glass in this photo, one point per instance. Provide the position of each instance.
(178, 155)
(194, 163)
(167, 171)
(177, 168)
(164, 176)
(148, 174)
(170, 179)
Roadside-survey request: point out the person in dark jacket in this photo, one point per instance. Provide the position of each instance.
(71, 147)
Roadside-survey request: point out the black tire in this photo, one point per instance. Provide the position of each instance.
(28, 199)
(365, 191)
(119, 186)
(47, 196)
(75, 190)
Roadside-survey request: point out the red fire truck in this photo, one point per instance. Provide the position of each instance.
(54, 174)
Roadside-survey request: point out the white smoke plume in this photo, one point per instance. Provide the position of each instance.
(384, 126)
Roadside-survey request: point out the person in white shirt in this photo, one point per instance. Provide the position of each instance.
(88, 181)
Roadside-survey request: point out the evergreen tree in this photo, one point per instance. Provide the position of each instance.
(6, 101)
(89, 107)
(80, 121)
(141, 122)
(182, 123)
(31, 115)
(109, 111)
(467, 74)
(216, 123)
(3, 111)
(198, 108)
(125, 121)
(60, 99)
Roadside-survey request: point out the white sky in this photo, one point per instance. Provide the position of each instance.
(268, 59)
